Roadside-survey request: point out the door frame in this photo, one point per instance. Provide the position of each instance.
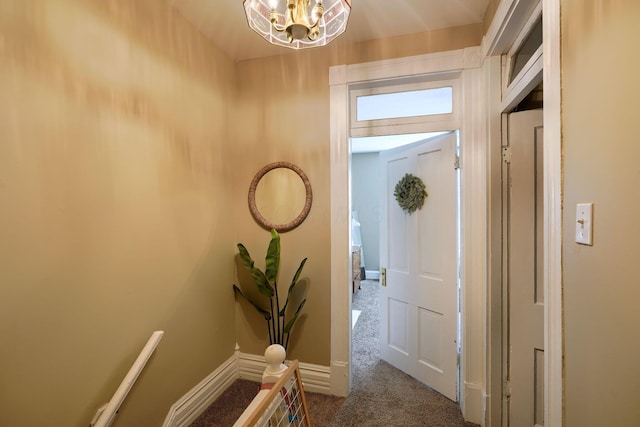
(463, 65)
(508, 20)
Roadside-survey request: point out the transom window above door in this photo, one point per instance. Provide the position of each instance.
(424, 102)
(403, 104)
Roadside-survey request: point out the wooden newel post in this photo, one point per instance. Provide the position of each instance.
(274, 355)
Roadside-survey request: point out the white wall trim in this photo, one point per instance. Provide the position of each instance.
(554, 351)
(372, 274)
(474, 248)
(251, 367)
(316, 378)
(441, 62)
(494, 305)
(197, 400)
(474, 238)
(516, 92)
(340, 232)
(508, 21)
(474, 399)
(531, 73)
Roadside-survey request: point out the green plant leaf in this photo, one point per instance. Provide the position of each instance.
(294, 282)
(245, 257)
(289, 326)
(277, 325)
(272, 260)
(265, 313)
(264, 287)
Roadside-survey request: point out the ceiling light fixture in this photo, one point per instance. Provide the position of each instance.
(295, 24)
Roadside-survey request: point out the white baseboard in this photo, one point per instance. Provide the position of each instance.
(486, 410)
(316, 378)
(473, 403)
(372, 274)
(340, 378)
(197, 400)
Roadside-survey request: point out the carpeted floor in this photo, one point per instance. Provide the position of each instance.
(381, 395)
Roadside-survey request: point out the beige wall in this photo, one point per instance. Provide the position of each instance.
(283, 115)
(489, 14)
(127, 143)
(115, 208)
(601, 151)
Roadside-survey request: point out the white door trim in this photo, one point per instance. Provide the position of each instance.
(466, 62)
(554, 352)
(509, 18)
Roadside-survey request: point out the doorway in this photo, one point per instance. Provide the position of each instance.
(523, 292)
(462, 68)
(427, 348)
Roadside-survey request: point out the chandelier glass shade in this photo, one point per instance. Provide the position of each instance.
(297, 24)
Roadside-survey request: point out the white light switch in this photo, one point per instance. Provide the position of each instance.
(584, 224)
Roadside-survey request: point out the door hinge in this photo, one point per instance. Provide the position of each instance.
(456, 162)
(506, 153)
(506, 389)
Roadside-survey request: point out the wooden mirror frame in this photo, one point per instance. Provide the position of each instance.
(265, 223)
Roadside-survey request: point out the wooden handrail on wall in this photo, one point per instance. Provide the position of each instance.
(106, 414)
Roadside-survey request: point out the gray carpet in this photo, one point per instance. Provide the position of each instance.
(381, 395)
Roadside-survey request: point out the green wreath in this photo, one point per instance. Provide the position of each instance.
(410, 193)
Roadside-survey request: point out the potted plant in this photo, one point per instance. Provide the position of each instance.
(278, 325)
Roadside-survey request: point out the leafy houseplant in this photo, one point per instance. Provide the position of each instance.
(267, 283)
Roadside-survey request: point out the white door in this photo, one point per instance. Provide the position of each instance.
(418, 305)
(524, 197)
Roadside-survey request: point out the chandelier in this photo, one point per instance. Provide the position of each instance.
(295, 24)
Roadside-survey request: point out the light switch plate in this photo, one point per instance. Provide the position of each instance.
(584, 223)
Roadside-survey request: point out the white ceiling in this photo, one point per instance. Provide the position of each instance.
(224, 22)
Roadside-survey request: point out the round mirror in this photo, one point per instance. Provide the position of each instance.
(280, 196)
